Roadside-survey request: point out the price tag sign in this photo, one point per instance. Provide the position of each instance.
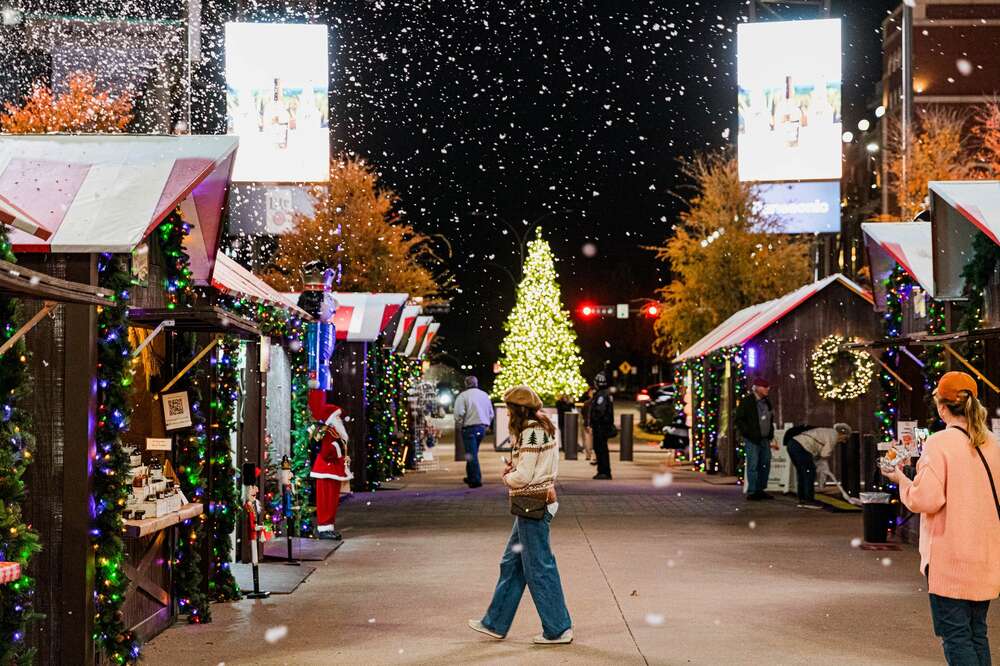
(158, 443)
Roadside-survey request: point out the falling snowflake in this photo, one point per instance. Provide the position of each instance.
(275, 634)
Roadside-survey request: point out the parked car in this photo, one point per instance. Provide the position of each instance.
(661, 407)
(656, 393)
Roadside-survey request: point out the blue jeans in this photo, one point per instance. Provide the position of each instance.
(534, 566)
(758, 466)
(471, 438)
(961, 625)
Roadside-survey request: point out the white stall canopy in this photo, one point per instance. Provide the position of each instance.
(959, 210)
(907, 244)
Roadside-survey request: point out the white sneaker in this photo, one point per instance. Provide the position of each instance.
(563, 639)
(476, 625)
(805, 505)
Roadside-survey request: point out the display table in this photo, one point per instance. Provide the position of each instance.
(140, 528)
(9, 572)
(150, 606)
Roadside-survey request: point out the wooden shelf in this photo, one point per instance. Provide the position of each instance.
(140, 528)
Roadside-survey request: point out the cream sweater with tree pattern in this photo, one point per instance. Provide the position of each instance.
(535, 463)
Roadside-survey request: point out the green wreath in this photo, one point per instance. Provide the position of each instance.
(824, 361)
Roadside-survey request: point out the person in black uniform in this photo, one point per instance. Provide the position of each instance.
(601, 420)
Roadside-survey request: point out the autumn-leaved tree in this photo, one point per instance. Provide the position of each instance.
(937, 150)
(987, 133)
(81, 108)
(725, 255)
(358, 227)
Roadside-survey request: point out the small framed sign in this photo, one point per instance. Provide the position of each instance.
(176, 410)
(140, 265)
(158, 443)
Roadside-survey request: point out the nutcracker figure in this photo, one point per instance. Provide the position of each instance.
(253, 529)
(332, 463)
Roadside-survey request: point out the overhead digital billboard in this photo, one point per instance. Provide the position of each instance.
(277, 101)
(802, 208)
(789, 78)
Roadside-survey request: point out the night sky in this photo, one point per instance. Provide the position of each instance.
(478, 110)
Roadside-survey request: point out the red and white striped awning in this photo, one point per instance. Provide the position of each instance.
(106, 193)
(750, 322)
(363, 317)
(416, 340)
(231, 277)
(404, 325)
(428, 339)
(905, 243)
(960, 210)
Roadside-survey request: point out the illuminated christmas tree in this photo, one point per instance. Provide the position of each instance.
(540, 349)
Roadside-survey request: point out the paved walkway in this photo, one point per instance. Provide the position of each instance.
(684, 574)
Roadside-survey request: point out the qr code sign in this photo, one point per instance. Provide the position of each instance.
(175, 406)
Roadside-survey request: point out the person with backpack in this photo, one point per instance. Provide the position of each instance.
(806, 446)
(955, 493)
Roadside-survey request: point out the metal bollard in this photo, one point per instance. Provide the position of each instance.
(571, 434)
(625, 445)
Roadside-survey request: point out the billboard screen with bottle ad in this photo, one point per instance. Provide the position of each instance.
(277, 101)
(789, 79)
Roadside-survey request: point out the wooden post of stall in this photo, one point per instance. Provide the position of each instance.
(79, 449)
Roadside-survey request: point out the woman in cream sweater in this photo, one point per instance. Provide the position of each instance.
(955, 491)
(528, 560)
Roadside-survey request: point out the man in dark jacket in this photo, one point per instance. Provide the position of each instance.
(601, 419)
(754, 420)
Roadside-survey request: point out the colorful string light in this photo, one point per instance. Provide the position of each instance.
(18, 541)
(110, 464)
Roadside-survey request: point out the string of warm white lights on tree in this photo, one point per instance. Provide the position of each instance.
(540, 348)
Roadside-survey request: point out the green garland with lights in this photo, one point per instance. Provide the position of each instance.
(191, 455)
(389, 380)
(825, 359)
(177, 265)
(898, 286)
(224, 499)
(933, 358)
(977, 274)
(110, 470)
(18, 542)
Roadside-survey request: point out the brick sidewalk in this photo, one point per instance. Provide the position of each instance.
(690, 573)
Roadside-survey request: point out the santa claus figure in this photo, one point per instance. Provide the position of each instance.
(332, 465)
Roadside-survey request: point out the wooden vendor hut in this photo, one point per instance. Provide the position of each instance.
(902, 270)
(50, 350)
(360, 320)
(779, 340)
(142, 215)
(965, 225)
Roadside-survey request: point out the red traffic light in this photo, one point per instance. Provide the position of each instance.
(652, 310)
(588, 311)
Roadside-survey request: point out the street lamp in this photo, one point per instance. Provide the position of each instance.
(523, 238)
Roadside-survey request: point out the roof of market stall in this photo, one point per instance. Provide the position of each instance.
(960, 208)
(231, 277)
(750, 322)
(905, 243)
(363, 317)
(403, 326)
(425, 346)
(106, 193)
(416, 339)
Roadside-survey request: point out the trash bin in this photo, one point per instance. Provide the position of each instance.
(879, 516)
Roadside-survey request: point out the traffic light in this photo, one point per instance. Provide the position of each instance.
(588, 311)
(651, 310)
